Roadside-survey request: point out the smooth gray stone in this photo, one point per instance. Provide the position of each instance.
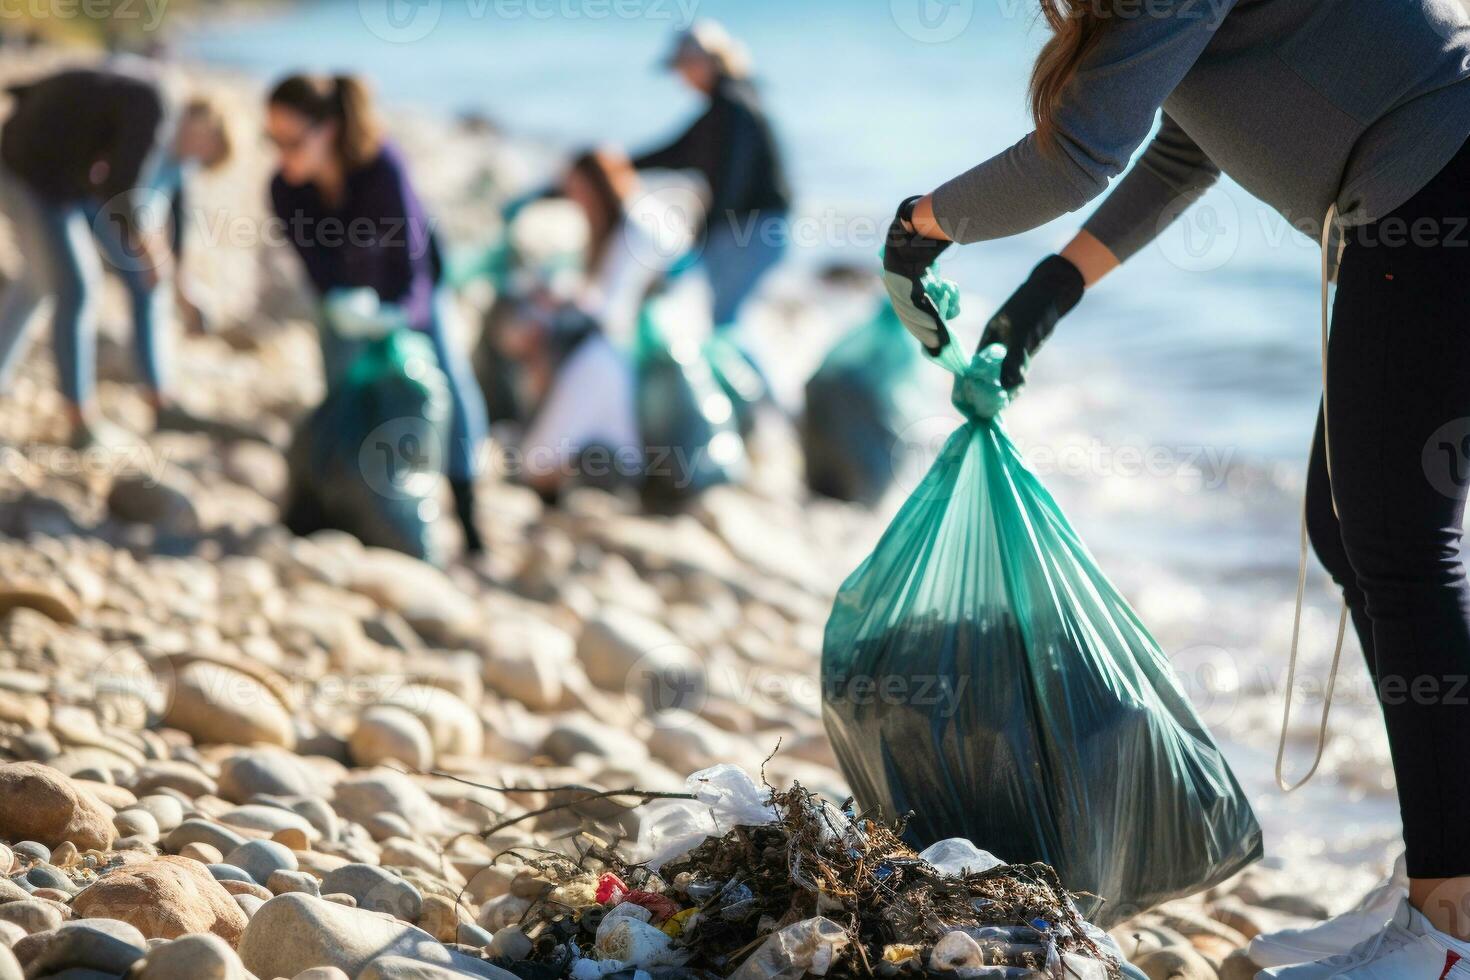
(97, 944)
(376, 890)
(260, 858)
(197, 830)
(229, 872)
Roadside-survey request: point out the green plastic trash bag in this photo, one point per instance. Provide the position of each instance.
(859, 401)
(686, 421)
(369, 459)
(739, 377)
(980, 672)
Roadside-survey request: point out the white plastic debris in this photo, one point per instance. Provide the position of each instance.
(623, 910)
(956, 952)
(634, 943)
(1083, 967)
(957, 856)
(725, 797)
(806, 947)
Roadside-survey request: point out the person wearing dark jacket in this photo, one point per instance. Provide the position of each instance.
(733, 147)
(1349, 118)
(346, 203)
(93, 159)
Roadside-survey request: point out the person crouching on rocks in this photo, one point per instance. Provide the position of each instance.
(95, 159)
(346, 202)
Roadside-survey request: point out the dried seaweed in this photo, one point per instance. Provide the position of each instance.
(818, 859)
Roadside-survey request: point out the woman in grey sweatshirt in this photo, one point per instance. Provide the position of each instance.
(1348, 113)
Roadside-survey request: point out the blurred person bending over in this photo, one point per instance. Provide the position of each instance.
(347, 205)
(95, 159)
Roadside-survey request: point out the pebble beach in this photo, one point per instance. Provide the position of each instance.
(226, 752)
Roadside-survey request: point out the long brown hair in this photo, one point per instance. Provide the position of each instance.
(342, 99)
(612, 178)
(1076, 26)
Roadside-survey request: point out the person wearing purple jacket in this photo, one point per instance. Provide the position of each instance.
(343, 196)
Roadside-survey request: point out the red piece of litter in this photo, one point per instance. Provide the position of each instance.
(610, 887)
(661, 906)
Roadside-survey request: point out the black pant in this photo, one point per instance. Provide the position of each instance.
(1398, 400)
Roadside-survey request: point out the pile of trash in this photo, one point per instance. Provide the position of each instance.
(758, 884)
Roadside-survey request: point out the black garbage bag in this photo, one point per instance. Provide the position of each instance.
(369, 460)
(858, 403)
(981, 672)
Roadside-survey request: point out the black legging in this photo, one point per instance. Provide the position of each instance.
(1398, 397)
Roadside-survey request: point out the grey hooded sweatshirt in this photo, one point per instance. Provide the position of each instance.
(1305, 103)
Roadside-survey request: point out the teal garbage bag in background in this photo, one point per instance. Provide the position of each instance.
(979, 671)
(369, 459)
(858, 403)
(685, 419)
(739, 377)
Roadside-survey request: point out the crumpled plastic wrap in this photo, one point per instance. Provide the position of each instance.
(725, 797)
(806, 947)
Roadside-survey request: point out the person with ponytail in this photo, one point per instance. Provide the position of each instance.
(344, 198)
(94, 160)
(1350, 118)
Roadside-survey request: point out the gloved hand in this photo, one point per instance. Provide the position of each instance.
(1030, 315)
(907, 258)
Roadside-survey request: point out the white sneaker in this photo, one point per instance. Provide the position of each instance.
(1338, 934)
(1406, 948)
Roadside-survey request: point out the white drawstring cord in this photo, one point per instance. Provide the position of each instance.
(1301, 572)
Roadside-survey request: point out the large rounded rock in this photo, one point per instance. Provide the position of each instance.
(218, 705)
(390, 734)
(197, 830)
(363, 795)
(1175, 963)
(294, 932)
(525, 659)
(270, 772)
(625, 652)
(453, 725)
(164, 898)
(262, 858)
(44, 806)
(375, 890)
(33, 915)
(420, 593)
(106, 945)
(403, 968)
(203, 957)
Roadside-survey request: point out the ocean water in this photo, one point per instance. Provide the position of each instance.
(1172, 412)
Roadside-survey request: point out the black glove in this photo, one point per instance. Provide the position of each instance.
(907, 255)
(1030, 315)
